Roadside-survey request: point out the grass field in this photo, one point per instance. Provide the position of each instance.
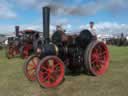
(113, 83)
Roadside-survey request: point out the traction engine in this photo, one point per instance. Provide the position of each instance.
(24, 44)
(62, 53)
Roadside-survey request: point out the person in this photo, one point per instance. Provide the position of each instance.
(59, 28)
(92, 30)
(62, 32)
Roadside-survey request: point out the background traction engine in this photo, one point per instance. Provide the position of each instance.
(75, 53)
(24, 44)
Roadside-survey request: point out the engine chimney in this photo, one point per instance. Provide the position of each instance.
(46, 22)
(17, 30)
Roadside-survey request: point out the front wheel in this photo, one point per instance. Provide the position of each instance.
(50, 72)
(10, 52)
(96, 58)
(30, 67)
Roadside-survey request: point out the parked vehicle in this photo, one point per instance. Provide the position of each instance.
(77, 53)
(23, 45)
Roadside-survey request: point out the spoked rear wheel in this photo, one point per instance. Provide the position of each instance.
(30, 67)
(96, 58)
(50, 72)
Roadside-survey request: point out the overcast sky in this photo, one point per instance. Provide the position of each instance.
(110, 16)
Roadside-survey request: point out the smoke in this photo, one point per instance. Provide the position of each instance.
(80, 10)
(75, 7)
(58, 7)
(72, 7)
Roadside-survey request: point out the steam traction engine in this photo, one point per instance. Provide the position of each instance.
(24, 44)
(75, 52)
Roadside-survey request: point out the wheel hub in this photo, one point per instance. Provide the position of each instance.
(50, 71)
(47, 72)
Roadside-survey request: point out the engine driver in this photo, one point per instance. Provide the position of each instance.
(62, 32)
(93, 30)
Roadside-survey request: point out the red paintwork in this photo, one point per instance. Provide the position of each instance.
(51, 75)
(99, 59)
(31, 68)
(13, 51)
(26, 50)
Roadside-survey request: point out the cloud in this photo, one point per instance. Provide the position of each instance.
(85, 9)
(59, 7)
(5, 29)
(117, 5)
(6, 11)
(101, 28)
(10, 29)
(109, 28)
(60, 21)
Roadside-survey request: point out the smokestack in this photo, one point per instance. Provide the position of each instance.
(46, 22)
(17, 31)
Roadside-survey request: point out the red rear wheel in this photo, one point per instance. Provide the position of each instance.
(97, 58)
(50, 72)
(30, 67)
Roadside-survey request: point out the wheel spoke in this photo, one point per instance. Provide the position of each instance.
(102, 53)
(53, 77)
(96, 50)
(51, 64)
(31, 69)
(49, 79)
(35, 61)
(93, 56)
(31, 64)
(101, 62)
(45, 79)
(94, 61)
(31, 73)
(44, 68)
(50, 74)
(99, 58)
(56, 65)
(43, 73)
(57, 72)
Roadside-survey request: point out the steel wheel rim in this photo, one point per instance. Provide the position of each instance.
(51, 72)
(99, 61)
(31, 68)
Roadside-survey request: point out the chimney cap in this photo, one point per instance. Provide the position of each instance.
(46, 7)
